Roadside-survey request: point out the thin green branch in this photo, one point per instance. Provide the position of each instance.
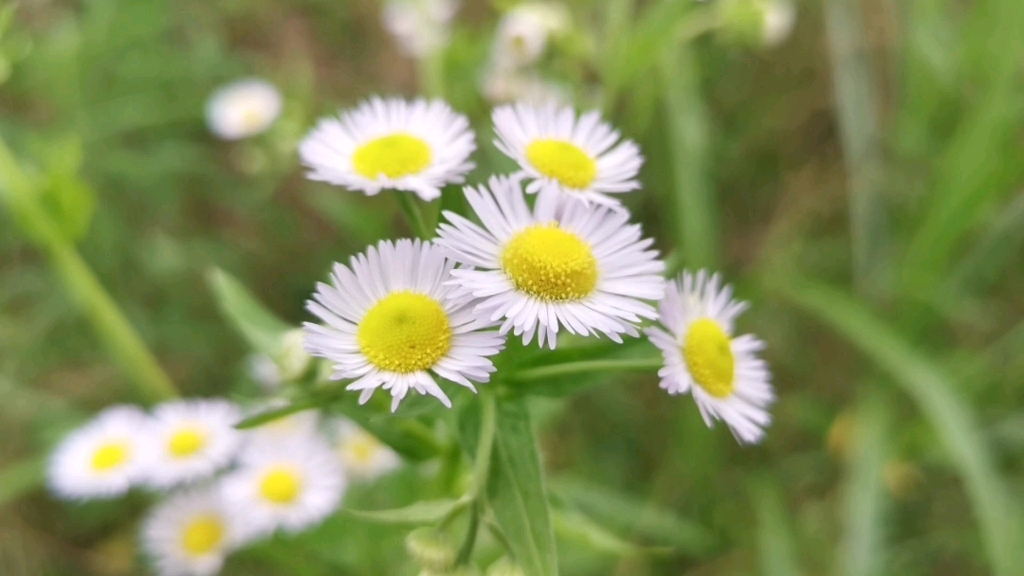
(585, 366)
(413, 214)
(121, 339)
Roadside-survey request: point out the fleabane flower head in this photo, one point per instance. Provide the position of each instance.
(577, 158)
(191, 533)
(418, 146)
(242, 109)
(723, 373)
(291, 486)
(523, 32)
(422, 27)
(391, 320)
(575, 266)
(103, 458)
(192, 439)
(363, 456)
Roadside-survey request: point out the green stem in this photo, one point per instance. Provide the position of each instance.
(431, 74)
(539, 373)
(466, 550)
(118, 335)
(484, 448)
(413, 214)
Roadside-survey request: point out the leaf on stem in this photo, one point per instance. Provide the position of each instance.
(423, 512)
(260, 327)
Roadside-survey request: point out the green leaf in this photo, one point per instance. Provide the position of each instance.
(573, 526)
(71, 203)
(565, 372)
(260, 327)
(775, 540)
(931, 389)
(515, 487)
(424, 512)
(628, 514)
(865, 498)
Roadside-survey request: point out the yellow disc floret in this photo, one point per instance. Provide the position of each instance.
(563, 161)
(186, 442)
(405, 332)
(550, 263)
(109, 456)
(708, 354)
(203, 534)
(362, 448)
(281, 485)
(393, 156)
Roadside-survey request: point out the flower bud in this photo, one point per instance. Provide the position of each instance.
(432, 551)
(757, 23)
(902, 478)
(292, 358)
(505, 567)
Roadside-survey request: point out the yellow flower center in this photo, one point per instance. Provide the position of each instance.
(563, 161)
(186, 442)
(281, 485)
(405, 332)
(252, 117)
(708, 354)
(202, 535)
(110, 456)
(393, 156)
(550, 263)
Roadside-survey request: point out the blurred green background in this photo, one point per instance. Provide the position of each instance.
(861, 184)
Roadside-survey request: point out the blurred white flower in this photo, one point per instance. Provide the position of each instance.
(421, 27)
(103, 458)
(191, 533)
(242, 109)
(288, 485)
(779, 21)
(293, 360)
(523, 33)
(363, 455)
(191, 440)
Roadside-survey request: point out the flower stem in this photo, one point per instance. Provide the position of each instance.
(430, 69)
(18, 193)
(485, 446)
(413, 214)
(568, 368)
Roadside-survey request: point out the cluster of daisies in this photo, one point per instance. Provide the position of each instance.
(221, 487)
(548, 248)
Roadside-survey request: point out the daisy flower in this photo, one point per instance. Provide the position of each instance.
(727, 379)
(422, 27)
(192, 439)
(561, 154)
(417, 146)
(391, 321)
(103, 458)
(191, 533)
(575, 266)
(288, 485)
(362, 454)
(523, 33)
(242, 109)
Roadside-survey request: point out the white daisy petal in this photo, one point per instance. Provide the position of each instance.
(728, 381)
(567, 157)
(191, 533)
(191, 440)
(579, 266)
(103, 458)
(393, 144)
(291, 486)
(392, 319)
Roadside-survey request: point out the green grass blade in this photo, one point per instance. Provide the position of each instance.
(932, 391)
(775, 541)
(865, 498)
(696, 217)
(856, 105)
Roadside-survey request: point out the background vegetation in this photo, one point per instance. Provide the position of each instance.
(861, 184)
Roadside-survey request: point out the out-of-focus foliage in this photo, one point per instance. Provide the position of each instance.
(862, 183)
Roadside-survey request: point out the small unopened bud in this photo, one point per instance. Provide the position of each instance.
(837, 442)
(902, 478)
(757, 23)
(292, 358)
(432, 551)
(505, 567)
